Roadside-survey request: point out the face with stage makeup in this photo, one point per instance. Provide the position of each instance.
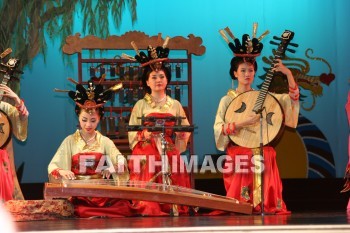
(245, 73)
(156, 80)
(236, 63)
(88, 121)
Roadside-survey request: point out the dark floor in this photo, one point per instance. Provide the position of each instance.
(316, 204)
(299, 194)
(313, 222)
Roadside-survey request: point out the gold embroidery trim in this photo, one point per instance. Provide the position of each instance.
(169, 102)
(93, 147)
(279, 204)
(232, 93)
(245, 193)
(256, 151)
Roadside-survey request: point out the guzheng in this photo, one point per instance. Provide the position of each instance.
(146, 191)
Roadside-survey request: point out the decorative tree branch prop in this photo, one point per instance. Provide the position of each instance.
(27, 26)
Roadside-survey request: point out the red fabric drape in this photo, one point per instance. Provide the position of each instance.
(239, 180)
(6, 181)
(150, 166)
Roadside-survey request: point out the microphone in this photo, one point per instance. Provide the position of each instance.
(5, 53)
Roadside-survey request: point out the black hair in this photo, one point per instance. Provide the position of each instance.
(99, 110)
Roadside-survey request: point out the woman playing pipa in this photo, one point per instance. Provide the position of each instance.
(237, 127)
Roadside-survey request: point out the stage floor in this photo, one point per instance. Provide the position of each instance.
(316, 204)
(295, 222)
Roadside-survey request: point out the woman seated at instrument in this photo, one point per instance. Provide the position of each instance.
(87, 155)
(146, 145)
(245, 184)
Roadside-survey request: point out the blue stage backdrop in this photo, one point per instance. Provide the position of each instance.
(318, 148)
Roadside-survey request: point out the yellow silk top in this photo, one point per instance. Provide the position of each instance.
(145, 106)
(74, 144)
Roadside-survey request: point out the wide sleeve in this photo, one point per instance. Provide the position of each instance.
(19, 122)
(290, 108)
(118, 160)
(63, 156)
(135, 120)
(182, 138)
(221, 141)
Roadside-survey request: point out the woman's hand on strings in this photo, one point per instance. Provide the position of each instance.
(106, 173)
(250, 120)
(280, 67)
(118, 168)
(66, 174)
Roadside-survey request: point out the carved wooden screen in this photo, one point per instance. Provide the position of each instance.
(97, 56)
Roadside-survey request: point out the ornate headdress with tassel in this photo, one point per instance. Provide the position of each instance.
(153, 61)
(249, 48)
(155, 55)
(90, 98)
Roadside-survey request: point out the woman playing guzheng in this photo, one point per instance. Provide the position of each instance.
(240, 179)
(157, 109)
(84, 154)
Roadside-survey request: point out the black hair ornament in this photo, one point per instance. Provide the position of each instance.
(155, 55)
(92, 97)
(250, 47)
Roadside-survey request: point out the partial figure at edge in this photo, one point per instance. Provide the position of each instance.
(347, 171)
(14, 118)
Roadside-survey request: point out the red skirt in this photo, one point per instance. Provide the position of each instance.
(85, 207)
(6, 177)
(144, 165)
(239, 178)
